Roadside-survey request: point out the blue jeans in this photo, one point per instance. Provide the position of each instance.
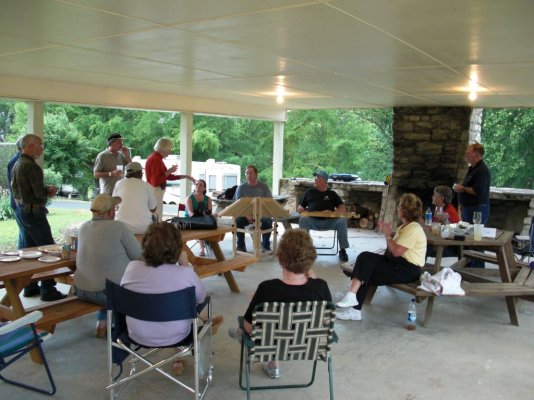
(34, 230)
(467, 213)
(336, 224)
(95, 298)
(21, 228)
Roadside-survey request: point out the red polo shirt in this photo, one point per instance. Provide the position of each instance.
(155, 171)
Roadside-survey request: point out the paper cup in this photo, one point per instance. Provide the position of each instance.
(436, 228)
(478, 229)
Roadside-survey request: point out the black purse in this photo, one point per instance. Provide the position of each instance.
(195, 222)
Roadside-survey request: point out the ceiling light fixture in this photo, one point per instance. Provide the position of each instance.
(280, 93)
(473, 86)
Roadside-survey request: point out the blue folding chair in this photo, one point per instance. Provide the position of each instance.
(17, 339)
(162, 307)
(525, 248)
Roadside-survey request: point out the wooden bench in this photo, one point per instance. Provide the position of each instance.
(521, 287)
(238, 263)
(63, 310)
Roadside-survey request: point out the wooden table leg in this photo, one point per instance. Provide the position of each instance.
(219, 255)
(428, 311)
(505, 259)
(437, 263)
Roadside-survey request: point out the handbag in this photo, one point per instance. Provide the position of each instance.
(444, 283)
(195, 222)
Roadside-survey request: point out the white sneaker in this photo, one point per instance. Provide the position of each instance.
(350, 314)
(348, 301)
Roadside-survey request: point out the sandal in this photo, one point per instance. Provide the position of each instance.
(202, 253)
(178, 367)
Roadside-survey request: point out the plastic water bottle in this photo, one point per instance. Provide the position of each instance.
(412, 316)
(428, 217)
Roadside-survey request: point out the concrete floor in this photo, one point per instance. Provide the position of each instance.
(469, 351)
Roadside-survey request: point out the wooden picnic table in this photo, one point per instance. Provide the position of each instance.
(512, 280)
(204, 266)
(477, 281)
(14, 276)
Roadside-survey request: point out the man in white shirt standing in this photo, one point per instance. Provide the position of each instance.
(138, 199)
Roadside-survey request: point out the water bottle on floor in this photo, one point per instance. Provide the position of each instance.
(412, 316)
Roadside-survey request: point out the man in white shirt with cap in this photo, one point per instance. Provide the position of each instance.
(138, 199)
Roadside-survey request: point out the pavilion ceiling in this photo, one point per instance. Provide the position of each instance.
(237, 57)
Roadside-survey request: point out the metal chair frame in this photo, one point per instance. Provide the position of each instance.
(334, 246)
(162, 307)
(17, 339)
(289, 331)
(527, 248)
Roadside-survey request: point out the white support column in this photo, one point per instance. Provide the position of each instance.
(186, 153)
(278, 155)
(35, 123)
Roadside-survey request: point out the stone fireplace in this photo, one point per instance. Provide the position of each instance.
(429, 150)
(429, 146)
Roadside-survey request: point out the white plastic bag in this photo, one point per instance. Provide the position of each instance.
(445, 283)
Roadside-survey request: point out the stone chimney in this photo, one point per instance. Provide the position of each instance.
(429, 146)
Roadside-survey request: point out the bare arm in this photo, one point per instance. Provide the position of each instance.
(341, 208)
(189, 206)
(396, 249)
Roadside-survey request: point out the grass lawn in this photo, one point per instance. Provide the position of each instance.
(60, 221)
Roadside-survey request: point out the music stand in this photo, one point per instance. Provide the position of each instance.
(258, 208)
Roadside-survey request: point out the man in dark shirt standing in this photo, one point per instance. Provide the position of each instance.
(12, 201)
(321, 198)
(473, 192)
(31, 196)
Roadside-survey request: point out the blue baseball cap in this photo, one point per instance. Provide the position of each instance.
(323, 174)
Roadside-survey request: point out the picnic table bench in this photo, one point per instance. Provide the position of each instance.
(512, 280)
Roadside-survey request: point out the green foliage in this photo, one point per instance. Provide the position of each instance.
(7, 150)
(205, 144)
(6, 212)
(52, 177)
(508, 138)
(345, 141)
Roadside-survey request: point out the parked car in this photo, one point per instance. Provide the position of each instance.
(345, 177)
(68, 191)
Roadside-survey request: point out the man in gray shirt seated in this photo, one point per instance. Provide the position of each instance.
(105, 248)
(253, 188)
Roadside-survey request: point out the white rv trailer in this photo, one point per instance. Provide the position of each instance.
(218, 176)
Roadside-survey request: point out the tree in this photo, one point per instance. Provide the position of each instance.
(66, 151)
(508, 138)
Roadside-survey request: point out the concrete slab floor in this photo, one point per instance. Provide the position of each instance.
(469, 351)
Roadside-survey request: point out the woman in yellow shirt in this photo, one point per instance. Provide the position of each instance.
(402, 262)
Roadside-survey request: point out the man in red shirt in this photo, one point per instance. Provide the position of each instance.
(157, 173)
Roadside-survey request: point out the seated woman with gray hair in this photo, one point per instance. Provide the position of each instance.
(442, 197)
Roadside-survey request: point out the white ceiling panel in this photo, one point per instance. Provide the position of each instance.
(319, 54)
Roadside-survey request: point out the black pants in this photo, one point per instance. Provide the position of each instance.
(378, 269)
